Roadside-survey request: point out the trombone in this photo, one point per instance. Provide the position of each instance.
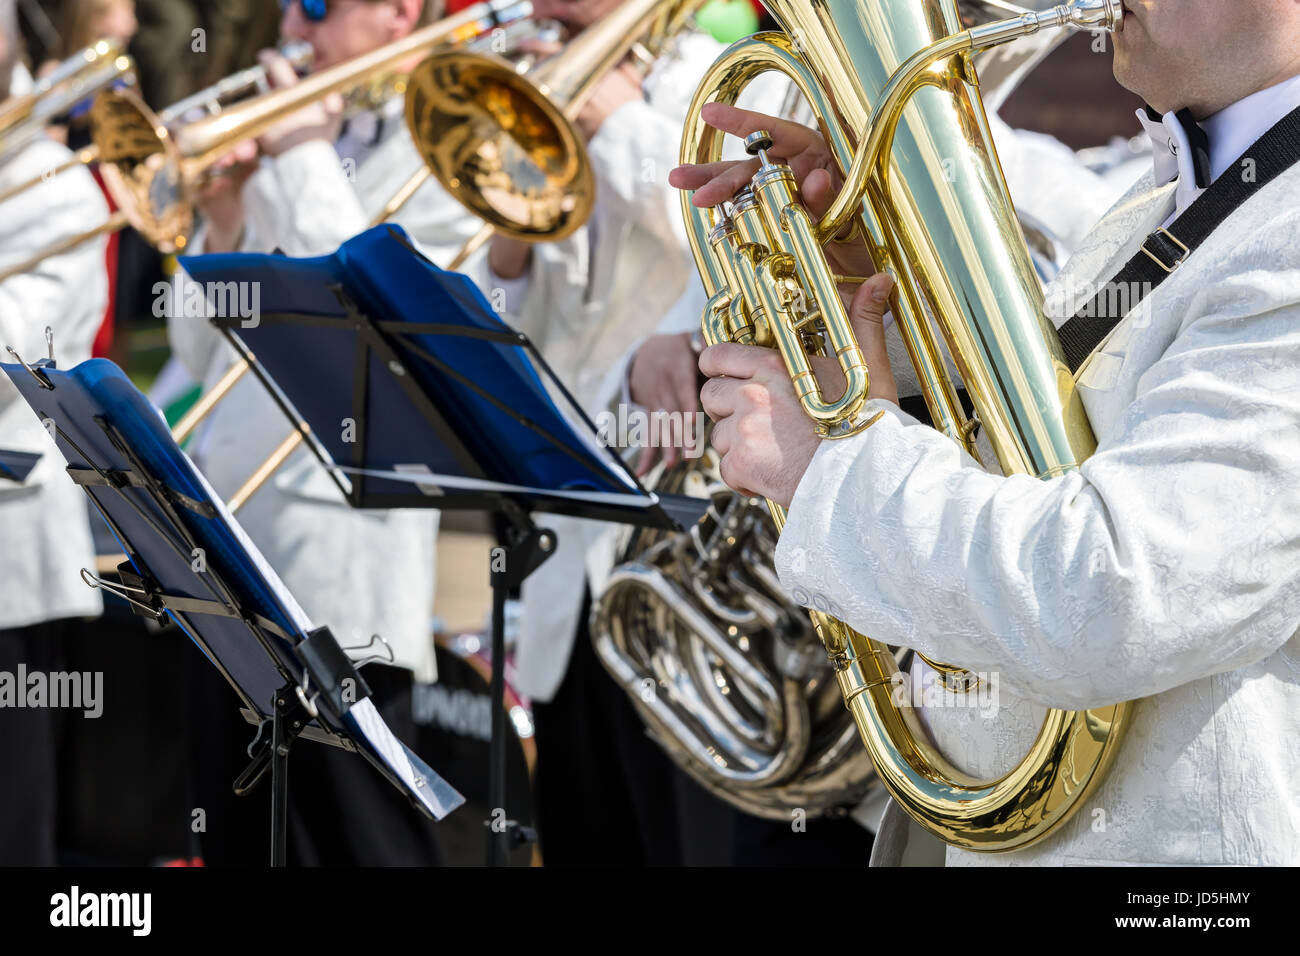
(151, 163)
(23, 118)
(505, 145)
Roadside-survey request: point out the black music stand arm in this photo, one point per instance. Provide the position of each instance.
(523, 547)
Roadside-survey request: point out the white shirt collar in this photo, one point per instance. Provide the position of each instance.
(1231, 132)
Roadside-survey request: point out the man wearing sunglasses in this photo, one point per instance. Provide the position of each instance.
(316, 179)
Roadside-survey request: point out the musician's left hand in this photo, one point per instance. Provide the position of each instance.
(762, 435)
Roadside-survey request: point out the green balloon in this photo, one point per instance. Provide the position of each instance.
(727, 20)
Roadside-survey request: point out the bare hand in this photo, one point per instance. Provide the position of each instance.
(620, 85)
(320, 120)
(802, 149)
(762, 436)
(219, 197)
(663, 379)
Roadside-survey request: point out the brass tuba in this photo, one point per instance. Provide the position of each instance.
(897, 97)
(724, 669)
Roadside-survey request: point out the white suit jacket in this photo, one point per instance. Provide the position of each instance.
(44, 531)
(1164, 571)
(360, 572)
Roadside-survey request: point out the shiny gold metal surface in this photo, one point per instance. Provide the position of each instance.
(505, 143)
(155, 167)
(23, 118)
(898, 100)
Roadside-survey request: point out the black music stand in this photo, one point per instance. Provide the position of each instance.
(188, 560)
(413, 393)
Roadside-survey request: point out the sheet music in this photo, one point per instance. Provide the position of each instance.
(426, 480)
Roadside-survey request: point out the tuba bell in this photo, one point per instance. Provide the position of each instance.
(896, 94)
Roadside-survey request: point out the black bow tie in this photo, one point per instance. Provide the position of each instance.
(1200, 144)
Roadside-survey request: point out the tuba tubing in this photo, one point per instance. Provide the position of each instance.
(877, 73)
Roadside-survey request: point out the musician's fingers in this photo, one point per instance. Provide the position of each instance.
(695, 175)
(279, 71)
(818, 191)
(719, 185)
(722, 437)
(788, 138)
(540, 47)
(738, 361)
(719, 398)
(670, 435)
(729, 471)
(646, 460)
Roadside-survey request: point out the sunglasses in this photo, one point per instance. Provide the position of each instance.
(314, 10)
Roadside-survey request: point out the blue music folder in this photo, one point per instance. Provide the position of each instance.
(194, 563)
(415, 392)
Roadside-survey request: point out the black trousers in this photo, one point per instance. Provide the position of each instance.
(342, 812)
(28, 763)
(607, 795)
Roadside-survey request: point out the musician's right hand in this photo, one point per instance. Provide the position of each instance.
(804, 150)
(320, 120)
(219, 197)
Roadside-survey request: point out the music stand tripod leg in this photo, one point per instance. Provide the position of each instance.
(288, 720)
(522, 547)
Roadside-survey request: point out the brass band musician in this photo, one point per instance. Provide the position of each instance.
(1164, 568)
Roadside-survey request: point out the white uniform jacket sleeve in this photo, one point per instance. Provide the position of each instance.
(1171, 555)
(303, 202)
(66, 292)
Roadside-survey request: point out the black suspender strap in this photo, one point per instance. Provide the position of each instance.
(1166, 249)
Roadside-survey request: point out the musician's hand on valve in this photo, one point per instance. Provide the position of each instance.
(321, 120)
(663, 380)
(763, 437)
(804, 150)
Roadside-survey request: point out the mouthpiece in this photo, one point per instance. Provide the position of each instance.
(1086, 14)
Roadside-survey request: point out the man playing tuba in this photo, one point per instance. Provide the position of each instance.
(1164, 568)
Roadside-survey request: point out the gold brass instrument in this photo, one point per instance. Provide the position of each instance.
(723, 667)
(205, 102)
(23, 118)
(151, 163)
(152, 170)
(892, 84)
(505, 145)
